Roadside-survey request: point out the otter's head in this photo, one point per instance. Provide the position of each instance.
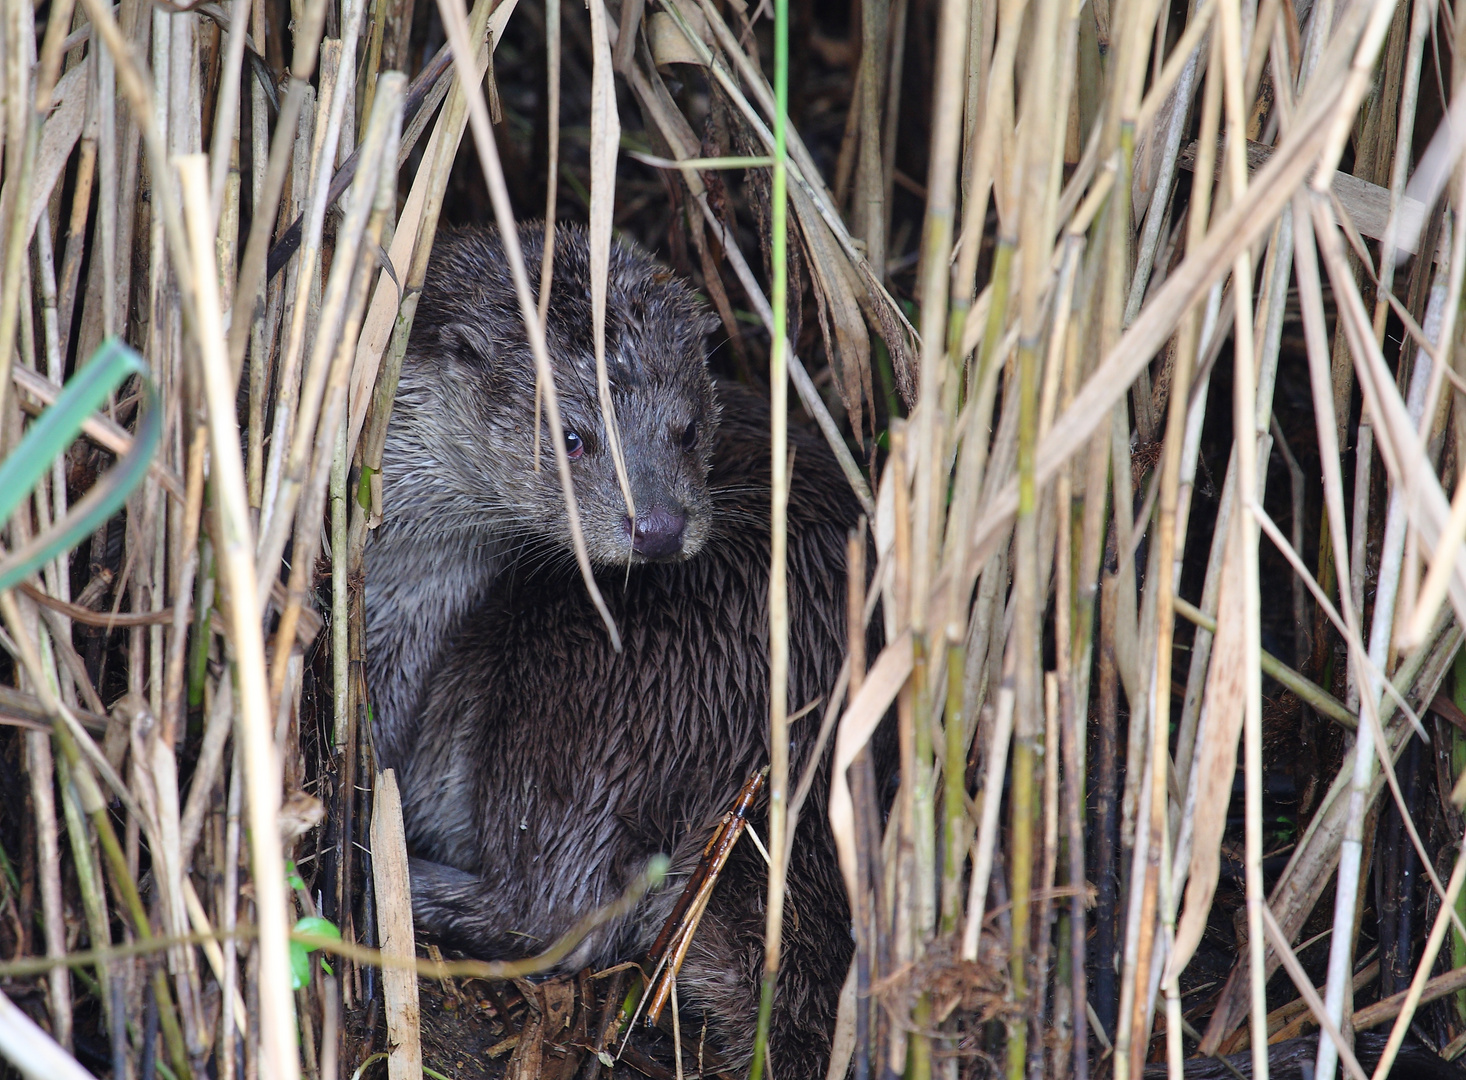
(461, 453)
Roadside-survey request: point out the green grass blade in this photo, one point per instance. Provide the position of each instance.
(57, 428)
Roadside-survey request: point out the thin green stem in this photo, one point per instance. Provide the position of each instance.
(778, 575)
(919, 1065)
(954, 800)
(1315, 696)
(1021, 790)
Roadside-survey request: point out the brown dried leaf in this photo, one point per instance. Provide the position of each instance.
(850, 351)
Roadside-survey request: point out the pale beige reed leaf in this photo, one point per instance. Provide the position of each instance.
(605, 142)
(1226, 690)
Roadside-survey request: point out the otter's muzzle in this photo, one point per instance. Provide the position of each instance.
(657, 533)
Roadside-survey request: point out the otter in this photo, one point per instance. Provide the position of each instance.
(540, 769)
(463, 500)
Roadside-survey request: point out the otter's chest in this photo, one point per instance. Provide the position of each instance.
(576, 752)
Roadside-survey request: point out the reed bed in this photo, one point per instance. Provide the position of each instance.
(1041, 284)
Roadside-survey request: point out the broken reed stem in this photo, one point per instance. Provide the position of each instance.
(552, 186)
(1245, 444)
(299, 405)
(492, 971)
(1029, 702)
(48, 851)
(1315, 696)
(340, 591)
(21, 171)
(1033, 236)
(870, 188)
(448, 133)
(89, 881)
(862, 896)
(1021, 871)
(605, 140)
(1042, 1013)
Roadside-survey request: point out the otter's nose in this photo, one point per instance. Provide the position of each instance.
(657, 533)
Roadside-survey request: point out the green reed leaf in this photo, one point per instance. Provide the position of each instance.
(57, 428)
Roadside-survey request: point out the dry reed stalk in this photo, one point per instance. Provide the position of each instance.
(605, 141)
(1305, 987)
(261, 762)
(1245, 448)
(1033, 231)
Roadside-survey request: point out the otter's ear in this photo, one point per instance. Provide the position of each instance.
(701, 325)
(465, 342)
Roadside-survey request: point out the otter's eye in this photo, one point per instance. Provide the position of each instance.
(574, 447)
(689, 437)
